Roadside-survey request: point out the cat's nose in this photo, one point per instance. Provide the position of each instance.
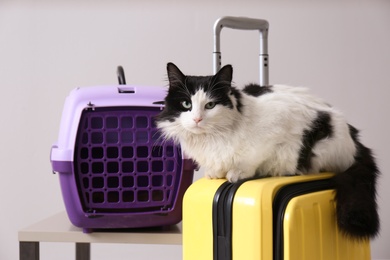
(198, 119)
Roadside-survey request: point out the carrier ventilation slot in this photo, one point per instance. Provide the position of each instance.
(122, 165)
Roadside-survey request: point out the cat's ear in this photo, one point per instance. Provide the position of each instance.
(175, 76)
(225, 74)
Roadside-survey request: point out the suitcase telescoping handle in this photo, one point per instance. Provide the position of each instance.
(243, 23)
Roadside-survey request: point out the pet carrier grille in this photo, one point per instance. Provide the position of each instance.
(122, 165)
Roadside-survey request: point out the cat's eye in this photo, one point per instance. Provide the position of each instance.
(210, 105)
(186, 104)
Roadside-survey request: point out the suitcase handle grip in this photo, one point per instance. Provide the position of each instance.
(243, 23)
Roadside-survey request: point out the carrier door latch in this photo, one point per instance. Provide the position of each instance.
(126, 90)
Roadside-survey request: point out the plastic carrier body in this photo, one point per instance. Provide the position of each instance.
(115, 170)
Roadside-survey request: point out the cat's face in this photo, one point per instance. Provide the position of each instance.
(198, 105)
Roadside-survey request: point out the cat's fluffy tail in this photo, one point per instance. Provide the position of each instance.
(357, 214)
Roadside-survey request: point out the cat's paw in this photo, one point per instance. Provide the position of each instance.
(235, 175)
(211, 174)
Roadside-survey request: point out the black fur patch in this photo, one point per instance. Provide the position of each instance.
(321, 128)
(356, 208)
(182, 88)
(237, 96)
(256, 90)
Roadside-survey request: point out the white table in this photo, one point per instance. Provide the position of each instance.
(58, 228)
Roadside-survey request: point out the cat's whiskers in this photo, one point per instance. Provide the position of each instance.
(184, 92)
(177, 81)
(160, 138)
(213, 85)
(160, 143)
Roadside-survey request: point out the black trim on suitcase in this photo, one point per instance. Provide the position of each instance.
(281, 200)
(222, 220)
(223, 212)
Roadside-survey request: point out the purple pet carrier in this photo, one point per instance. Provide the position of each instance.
(115, 170)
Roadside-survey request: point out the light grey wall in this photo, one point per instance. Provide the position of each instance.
(340, 49)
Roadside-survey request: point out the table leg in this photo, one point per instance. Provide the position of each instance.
(83, 251)
(29, 250)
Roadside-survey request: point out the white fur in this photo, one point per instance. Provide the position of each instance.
(265, 138)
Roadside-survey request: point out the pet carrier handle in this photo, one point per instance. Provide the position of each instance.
(121, 75)
(122, 81)
(243, 23)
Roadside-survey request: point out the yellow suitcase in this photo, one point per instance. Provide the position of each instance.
(290, 218)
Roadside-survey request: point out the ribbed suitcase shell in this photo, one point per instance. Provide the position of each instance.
(309, 224)
(311, 216)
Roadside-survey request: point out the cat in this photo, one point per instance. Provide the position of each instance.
(271, 131)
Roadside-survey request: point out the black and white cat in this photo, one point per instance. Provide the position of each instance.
(271, 131)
